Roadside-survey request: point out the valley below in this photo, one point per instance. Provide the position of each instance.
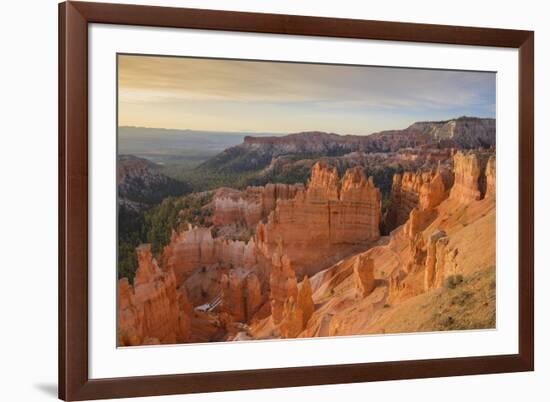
(311, 235)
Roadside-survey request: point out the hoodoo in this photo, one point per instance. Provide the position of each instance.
(325, 222)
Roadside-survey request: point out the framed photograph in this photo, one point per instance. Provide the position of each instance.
(260, 200)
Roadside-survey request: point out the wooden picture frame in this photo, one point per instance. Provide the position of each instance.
(74, 381)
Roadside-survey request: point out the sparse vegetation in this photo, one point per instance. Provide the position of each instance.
(155, 226)
(453, 281)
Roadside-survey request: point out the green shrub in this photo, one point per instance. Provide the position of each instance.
(453, 281)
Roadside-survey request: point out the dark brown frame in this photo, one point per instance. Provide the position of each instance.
(74, 17)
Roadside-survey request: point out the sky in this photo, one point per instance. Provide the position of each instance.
(275, 97)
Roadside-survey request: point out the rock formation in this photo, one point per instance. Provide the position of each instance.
(297, 311)
(232, 296)
(467, 170)
(254, 298)
(258, 152)
(491, 175)
(434, 274)
(241, 295)
(363, 275)
(195, 248)
(324, 222)
(422, 190)
(251, 205)
(432, 192)
(154, 309)
(417, 259)
(283, 284)
(464, 132)
(130, 317)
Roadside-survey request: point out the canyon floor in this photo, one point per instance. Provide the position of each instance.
(330, 256)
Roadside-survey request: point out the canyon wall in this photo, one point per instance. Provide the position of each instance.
(491, 175)
(467, 170)
(324, 221)
(422, 190)
(154, 310)
(195, 248)
(249, 206)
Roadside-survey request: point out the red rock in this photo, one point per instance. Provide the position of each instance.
(363, 275)
(305, 301)
(435, 273)
(282, 283)
(195, 249)
(323, 223)
(417, 259)
(254, 298)
(432, 192)
(232, 293)
(292, 322)
(130, 317)
(423, 191)
(154, 309)
(251, 205)
(467, 169)
(491, 176)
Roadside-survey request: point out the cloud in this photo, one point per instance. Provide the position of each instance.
(176, 83)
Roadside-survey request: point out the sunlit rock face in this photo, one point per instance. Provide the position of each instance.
(491, 175)
(251, 205)
(325, 221)
(195, 248)
(154, 310)
(363, 275)
(421, 190)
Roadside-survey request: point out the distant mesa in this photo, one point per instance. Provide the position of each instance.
(257, 152)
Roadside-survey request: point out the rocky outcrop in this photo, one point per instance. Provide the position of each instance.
(232, 296)
(187, 251)
(432, 192)
(467, 170)
(250, 206)
(254, 299)
(323, 222)
(491, 177)
(297, 311)
(241, 295)
(463, 132)
(283, 284)
(363, 275)
(422, 190)
(195, 248)
(417, 254)
(154, 310)
(418, 221)
(435, 260)
(130, 317)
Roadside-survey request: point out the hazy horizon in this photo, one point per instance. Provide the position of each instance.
(218, 95)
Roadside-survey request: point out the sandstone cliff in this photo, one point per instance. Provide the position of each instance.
(195, 248)
(250, 206)
(154, 309)
(324, 222)
(422, 190)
